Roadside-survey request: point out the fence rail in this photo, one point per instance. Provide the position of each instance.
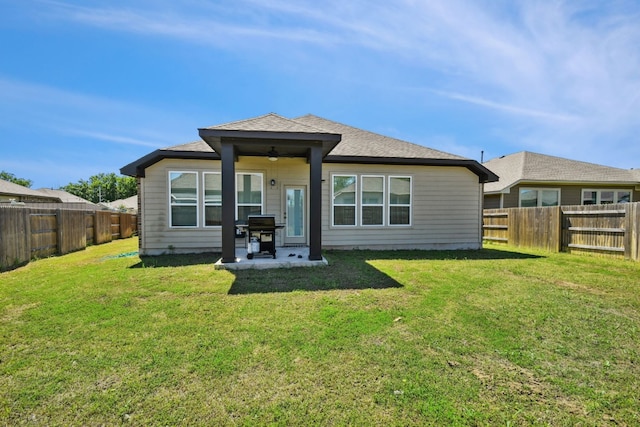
(609, 230)
(29, 233)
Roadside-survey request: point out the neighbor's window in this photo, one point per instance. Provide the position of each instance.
(212, 199)
(399, 200)
(249, 195)
(183, 199)
(536, 197)
(372, 200)
(605, 197)
(344, 199)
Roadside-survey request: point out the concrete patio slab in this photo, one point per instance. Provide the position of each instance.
(286, 257)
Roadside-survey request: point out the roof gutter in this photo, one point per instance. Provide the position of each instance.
(137, 169)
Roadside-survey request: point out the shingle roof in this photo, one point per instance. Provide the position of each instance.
(268, 123)
(341, 143)
(533, 167)
(196, 146)
(362, 143)
(11, 188)
(65, 196)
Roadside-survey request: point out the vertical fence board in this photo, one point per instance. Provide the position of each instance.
(127, 225)
(632, 226)
(44, 233)
(595, 229)
(102, 227)
(72, 235)
(495, 225)
(115, 226)
(89, 220)
(535, 228)
(15, 241)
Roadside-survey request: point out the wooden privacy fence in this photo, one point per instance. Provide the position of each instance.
(610, 230)
(28, 233)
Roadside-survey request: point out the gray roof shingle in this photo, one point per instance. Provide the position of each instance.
(268, 123)
(353, 144)
(10, 188)
(361, 143)
(65, 196)
(196, 146)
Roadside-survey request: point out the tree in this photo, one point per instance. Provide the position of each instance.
(103, 188)
(6, 176)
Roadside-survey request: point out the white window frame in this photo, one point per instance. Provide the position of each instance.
(599, 191)
(262, 192)
(171, 204)
(204, 199)
(409, 205)
(381, 205)
(354, 204)
(539, 199)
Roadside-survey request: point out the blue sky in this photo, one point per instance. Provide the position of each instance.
(89, 86)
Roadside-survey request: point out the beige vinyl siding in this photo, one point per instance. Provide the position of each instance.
(445, 206)
(158, 238)
(445, 210)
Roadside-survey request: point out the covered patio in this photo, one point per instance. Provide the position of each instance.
(269, 137)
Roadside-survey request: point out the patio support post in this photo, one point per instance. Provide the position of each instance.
(315, 203)
(227, 156)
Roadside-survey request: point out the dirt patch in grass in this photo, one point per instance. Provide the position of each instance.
(580, 287)
(13, 312)
(500, 376)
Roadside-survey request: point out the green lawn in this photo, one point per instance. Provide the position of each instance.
(491, 337)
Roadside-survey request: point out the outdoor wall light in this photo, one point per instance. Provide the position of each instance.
(273, 182)
(273, 154)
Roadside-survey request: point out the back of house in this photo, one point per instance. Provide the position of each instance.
(329, 185)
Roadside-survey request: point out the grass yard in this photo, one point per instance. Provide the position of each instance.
(492, 337)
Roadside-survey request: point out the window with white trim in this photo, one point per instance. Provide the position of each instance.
(605, 197)
(249, 193)
(183, 190)
(212, 199)
(343, 196)
(539, 197)
(372, 200)
(400, 200)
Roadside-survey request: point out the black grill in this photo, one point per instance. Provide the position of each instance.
(263, 228)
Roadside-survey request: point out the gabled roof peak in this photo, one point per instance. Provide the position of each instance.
(270, 122)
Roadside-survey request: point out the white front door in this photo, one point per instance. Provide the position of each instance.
(295, 229)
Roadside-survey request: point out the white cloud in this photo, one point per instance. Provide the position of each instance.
(559, 75)
(111, 138)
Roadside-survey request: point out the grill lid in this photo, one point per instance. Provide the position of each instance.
(266, 221)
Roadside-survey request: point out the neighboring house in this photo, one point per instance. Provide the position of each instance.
(10, 192)
(530, 179)
(71, 201)
(329, 184)
(130, 204)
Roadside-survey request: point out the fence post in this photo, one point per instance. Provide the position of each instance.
(59, 236)
(631, 244)
(559, 223)
(27, 232)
